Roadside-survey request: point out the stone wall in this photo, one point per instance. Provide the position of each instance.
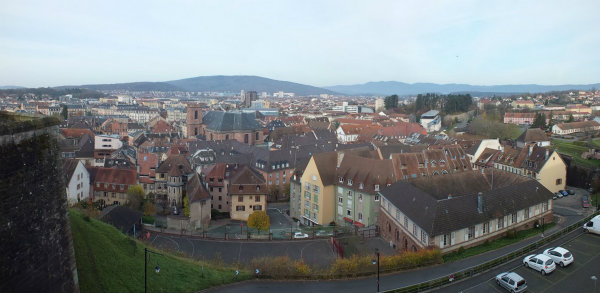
(37, 248)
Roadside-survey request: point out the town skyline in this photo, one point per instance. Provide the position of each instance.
(321, 44)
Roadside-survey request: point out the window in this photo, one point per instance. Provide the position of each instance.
(423, 236)
(220, 197)
(220, 189)
(360, 186)
(471, 232)
(341, 180)
(360, 197)
(316, 189)
(349, 182)
(98, 184)
(526, 216)
(545, 207)
(405, 221)
(315, 198)
(414, 229)
(196, 114)
(240, 198)
(559, 181)
(240, 208)
(340, 199)
(257, 198)
(307, 195)
(514, 218)
(486, 227)
(314, 177)
(446, 239)
(376, 187)
(348, 213)
(500, 223)
(257, 207)
(376, 198)
(360, 216)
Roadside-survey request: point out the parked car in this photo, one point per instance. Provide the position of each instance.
(175, 210)
(539, 262)
(560, 256)
(558, 195)
(585, 202)
(512, 282)
(563, 192)
(300, 235)
(570, 191)
(593, 226)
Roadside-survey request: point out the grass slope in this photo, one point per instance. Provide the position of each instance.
(109, 261)
(575, 149)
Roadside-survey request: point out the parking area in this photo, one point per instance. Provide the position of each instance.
(573, 278)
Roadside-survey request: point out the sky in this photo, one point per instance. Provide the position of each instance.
(321, 43)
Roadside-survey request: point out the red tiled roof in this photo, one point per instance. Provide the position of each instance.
(75, 132)
(147, 161)
(114, 177)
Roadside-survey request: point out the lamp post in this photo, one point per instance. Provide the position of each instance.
(377, 262)
(156, 269)
(594, 278)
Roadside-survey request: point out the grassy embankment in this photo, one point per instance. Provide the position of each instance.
(575, 149)
(109, 261)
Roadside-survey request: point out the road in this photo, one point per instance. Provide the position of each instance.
(573, 278)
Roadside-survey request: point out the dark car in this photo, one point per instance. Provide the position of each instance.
(564, 192)
(585, 202)
(570, 191)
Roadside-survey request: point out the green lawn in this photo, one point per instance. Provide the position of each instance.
(596, 142)
(109, 261)
(495, 244)
(575, 149)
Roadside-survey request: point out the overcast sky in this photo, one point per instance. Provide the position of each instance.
(51, 43)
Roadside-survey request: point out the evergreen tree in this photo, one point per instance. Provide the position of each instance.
(391, 102)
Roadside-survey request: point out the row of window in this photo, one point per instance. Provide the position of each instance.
(360, 185)
(243, 208)
(241, 198)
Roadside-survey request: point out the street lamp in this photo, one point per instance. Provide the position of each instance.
(594, 279)
(377, 262)
(156, 269)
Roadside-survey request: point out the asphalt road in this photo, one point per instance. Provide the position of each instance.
(573, 278)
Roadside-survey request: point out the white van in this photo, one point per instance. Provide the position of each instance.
(593, 226)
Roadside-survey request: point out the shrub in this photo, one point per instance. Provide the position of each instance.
(511, 234)
(461, 250)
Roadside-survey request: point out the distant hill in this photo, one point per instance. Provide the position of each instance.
(236, 83)
(218, 83)
(10, 87)
(401, 88)
(132, 86)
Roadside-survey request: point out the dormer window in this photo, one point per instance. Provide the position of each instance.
(376, 187)
(341, 180)
(241, 188)
(257, 187)
(360, 186)
(350, 182)
(432, 163)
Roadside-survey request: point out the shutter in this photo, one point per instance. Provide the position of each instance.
(452, 239)
(476, 231)
(466, 234)
(442, 240)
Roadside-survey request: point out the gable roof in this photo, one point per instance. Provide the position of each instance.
(175, 166)
(326, 165)
(533, 135)
(366, 171)
(245, 180)
(69, 166)
(426, 202)
(196, 189)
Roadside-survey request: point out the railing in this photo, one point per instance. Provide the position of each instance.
(475, 270)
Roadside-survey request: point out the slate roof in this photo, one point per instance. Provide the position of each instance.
(533, 135)
(426, 202)
(326, 164)
(175, 166)
(122, 217)
(196, 189)
(366, 171)
(69, 166)
(230, 121)
(248, 180)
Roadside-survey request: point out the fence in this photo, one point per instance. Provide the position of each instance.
(472, 271)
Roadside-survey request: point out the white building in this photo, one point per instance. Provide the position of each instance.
(431, 121)
(107, 142)
(574, 127)
(77, 179)
(379, 105)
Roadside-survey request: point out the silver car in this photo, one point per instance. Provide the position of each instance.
(512, 282)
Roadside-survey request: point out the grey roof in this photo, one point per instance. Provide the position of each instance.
(430, 113)
(230, 121)
(425, 200)
(533, 135)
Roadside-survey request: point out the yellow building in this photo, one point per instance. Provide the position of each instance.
(318, 190)
(248, 193)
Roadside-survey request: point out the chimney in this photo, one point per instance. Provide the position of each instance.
(480, 202)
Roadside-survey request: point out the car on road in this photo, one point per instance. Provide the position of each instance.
(557, 195)
(539, 262)
(570, 191)
(585, 202)
(563, 192)
(512, 282)
(300, 235)
(593, 226)
(560, 256)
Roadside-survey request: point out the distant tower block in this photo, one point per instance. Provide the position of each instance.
(194, 120)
